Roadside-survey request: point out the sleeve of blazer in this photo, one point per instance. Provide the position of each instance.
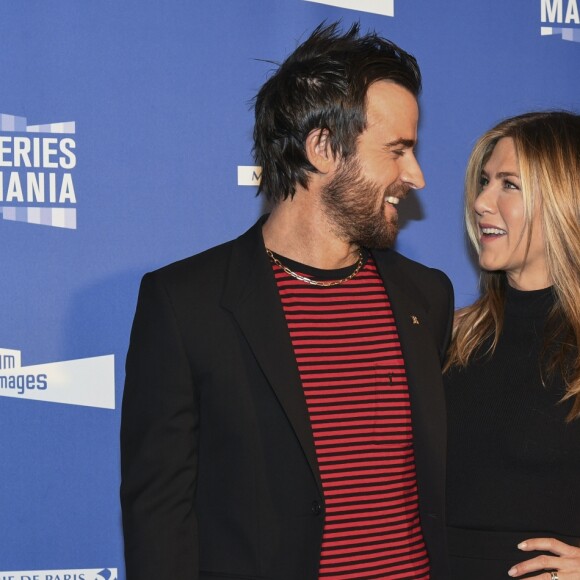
(158, 444)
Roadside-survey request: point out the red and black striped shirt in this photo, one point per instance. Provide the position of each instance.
(352, 369)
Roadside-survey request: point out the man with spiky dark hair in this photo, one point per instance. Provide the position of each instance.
(283, 414)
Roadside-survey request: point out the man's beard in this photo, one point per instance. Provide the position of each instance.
(351, 202)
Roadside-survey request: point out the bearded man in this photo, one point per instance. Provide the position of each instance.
(283, 415)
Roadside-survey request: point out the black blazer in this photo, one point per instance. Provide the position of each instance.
(219, 473)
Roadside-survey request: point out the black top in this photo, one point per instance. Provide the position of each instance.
(513, 461)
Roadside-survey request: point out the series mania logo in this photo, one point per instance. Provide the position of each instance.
(561, 17)
(36, 179)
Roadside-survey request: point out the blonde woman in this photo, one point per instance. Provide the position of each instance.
(513, 373)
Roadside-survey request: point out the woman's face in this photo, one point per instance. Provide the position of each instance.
(503, 233)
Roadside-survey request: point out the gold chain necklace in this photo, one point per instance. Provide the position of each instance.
(359, 265)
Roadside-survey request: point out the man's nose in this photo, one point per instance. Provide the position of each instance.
(412, 174)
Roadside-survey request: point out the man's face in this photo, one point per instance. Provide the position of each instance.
(360, 199)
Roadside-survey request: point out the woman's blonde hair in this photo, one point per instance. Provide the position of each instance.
(547, 145)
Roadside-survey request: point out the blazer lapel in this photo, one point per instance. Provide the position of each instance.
(423, 368)
(252, 297)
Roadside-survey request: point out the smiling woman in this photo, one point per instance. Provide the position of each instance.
(507, 240)
(513, 370)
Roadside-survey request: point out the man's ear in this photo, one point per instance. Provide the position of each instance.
(319, 152)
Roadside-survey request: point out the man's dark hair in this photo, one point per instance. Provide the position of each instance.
(322, 85)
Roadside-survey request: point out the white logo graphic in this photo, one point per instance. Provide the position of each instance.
(383, 7)
(36, 180)
(564, 14)
(94, 574)
(247, 175)
(89, 382)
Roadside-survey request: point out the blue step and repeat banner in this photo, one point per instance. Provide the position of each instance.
(125, 144)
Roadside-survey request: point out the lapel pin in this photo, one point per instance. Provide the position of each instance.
(414, 319)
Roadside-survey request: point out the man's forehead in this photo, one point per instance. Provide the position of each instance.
(389, 92)
(391, 103)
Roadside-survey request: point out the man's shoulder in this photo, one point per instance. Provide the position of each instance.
(210, 264)
(205, 261)
(193, 281)
(393, 259)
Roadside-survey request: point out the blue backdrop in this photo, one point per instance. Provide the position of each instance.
(122, 127)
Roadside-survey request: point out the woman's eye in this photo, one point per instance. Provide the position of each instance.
(483, 181)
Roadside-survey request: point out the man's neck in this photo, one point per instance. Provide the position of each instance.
(299, 230)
